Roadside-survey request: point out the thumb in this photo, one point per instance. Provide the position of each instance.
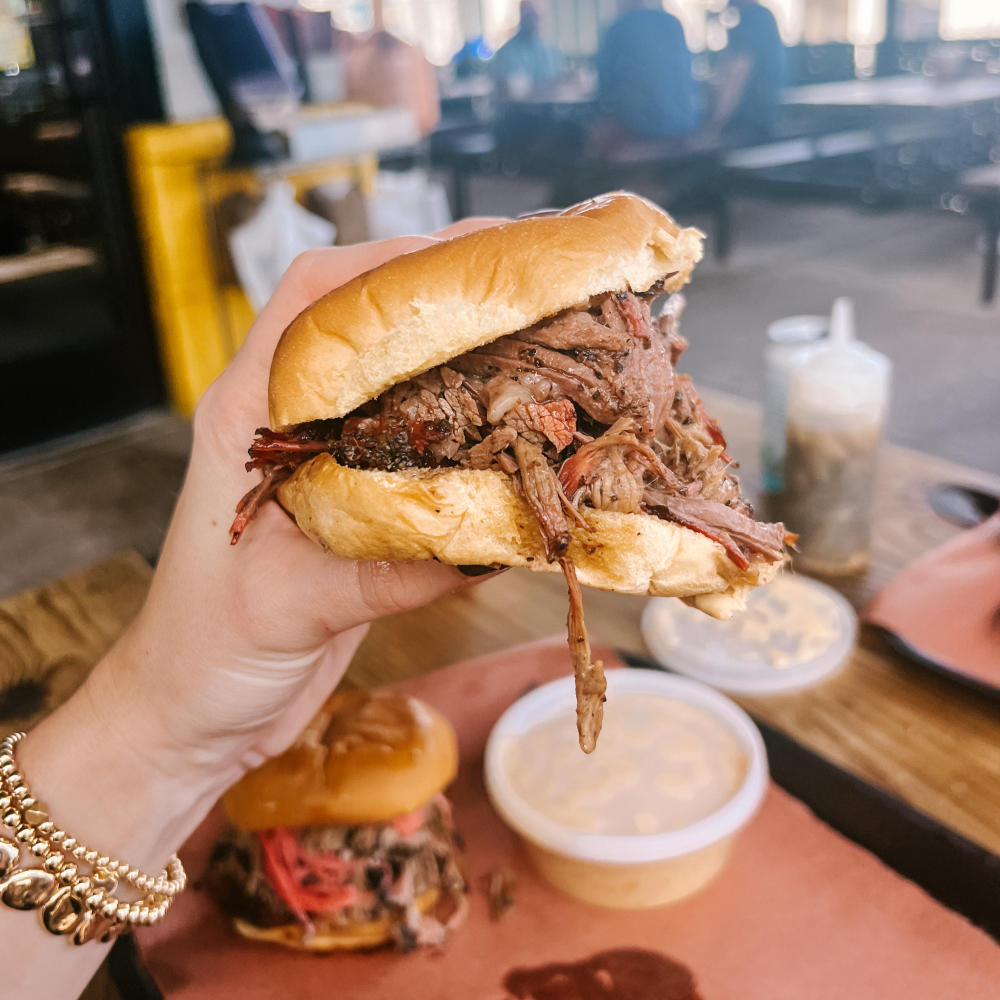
(300, 582)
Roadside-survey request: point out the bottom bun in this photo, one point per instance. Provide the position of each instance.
(471, 517)
(355, 937)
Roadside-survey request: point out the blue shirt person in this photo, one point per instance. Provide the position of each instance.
(524, 61)
(755, 60)
(644, 69)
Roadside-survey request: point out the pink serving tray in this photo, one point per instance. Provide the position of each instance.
(800, 913)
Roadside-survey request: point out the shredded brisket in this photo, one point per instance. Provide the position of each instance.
(336, 876)
(583, 410)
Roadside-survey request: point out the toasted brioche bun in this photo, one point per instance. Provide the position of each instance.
(465, 516)
(358, 937)
(422, 308)
(365, 757)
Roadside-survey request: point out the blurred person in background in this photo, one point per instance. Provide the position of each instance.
(644, 71)
(751, 74)
(384, 71)
(524, 63)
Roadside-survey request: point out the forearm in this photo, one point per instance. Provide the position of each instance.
(94, 765)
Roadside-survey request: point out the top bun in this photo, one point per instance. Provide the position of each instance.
(366, 756)
(420, 309)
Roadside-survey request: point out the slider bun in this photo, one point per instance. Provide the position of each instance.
(465, 517)
(365, 757)
(358, 937)
(418, 310)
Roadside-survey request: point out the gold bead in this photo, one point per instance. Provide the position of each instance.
(28, 801)
(144, 915)
(11, 818)
(62, 912)
(67, 874)
(107, 882)
(35, 813)
(109, 931)
(133, 913)
(101, 861)
(111, 865)
(10, 854)
(39, 848)
(53, 863)
(82, 886)
(46, 828)
(25, 835)
(18, 790)
(57, 836)
(5, 801)
(27, 889)
(95, 899)
(109, 908)
(121, 913)
(8, 769)
(79, 851)
(89, 856)
(85, 928)
(68, 843)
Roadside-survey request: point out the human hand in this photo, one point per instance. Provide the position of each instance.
(236, 648)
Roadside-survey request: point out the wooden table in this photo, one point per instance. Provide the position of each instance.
(928, 741)
(911, 91)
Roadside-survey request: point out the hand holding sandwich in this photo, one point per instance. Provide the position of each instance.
(230, 656)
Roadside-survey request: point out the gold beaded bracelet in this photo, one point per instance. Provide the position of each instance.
(84, 906)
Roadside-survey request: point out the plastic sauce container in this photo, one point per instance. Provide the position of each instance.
(837, 403)
(789, 341)
(650, 817)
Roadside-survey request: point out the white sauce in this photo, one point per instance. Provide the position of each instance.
(785, 625)
(659, 765)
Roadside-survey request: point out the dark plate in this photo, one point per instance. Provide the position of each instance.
(987, 690)
(963, 506)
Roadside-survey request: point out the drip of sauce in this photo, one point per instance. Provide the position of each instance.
(619, 974)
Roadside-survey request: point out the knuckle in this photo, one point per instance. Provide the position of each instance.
(382, 588)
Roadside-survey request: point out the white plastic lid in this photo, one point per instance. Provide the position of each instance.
(557, 698)
(841, 378)
(794, 633)
(798, 329)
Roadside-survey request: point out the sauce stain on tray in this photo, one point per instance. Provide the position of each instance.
(619, 974)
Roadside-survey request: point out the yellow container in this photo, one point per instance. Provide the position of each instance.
(179, 177)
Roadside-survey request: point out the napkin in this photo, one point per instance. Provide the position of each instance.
(946, 606)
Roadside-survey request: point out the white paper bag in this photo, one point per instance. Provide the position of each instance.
(406, 203)
(263, 248)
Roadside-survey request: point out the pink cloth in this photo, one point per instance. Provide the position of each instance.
(946, 605)
(800, 913)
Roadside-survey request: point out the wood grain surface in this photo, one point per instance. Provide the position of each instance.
(52, 635)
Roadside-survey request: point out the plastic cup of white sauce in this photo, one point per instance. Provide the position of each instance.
(653, 821)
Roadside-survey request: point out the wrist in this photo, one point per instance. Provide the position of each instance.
(108, 779)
